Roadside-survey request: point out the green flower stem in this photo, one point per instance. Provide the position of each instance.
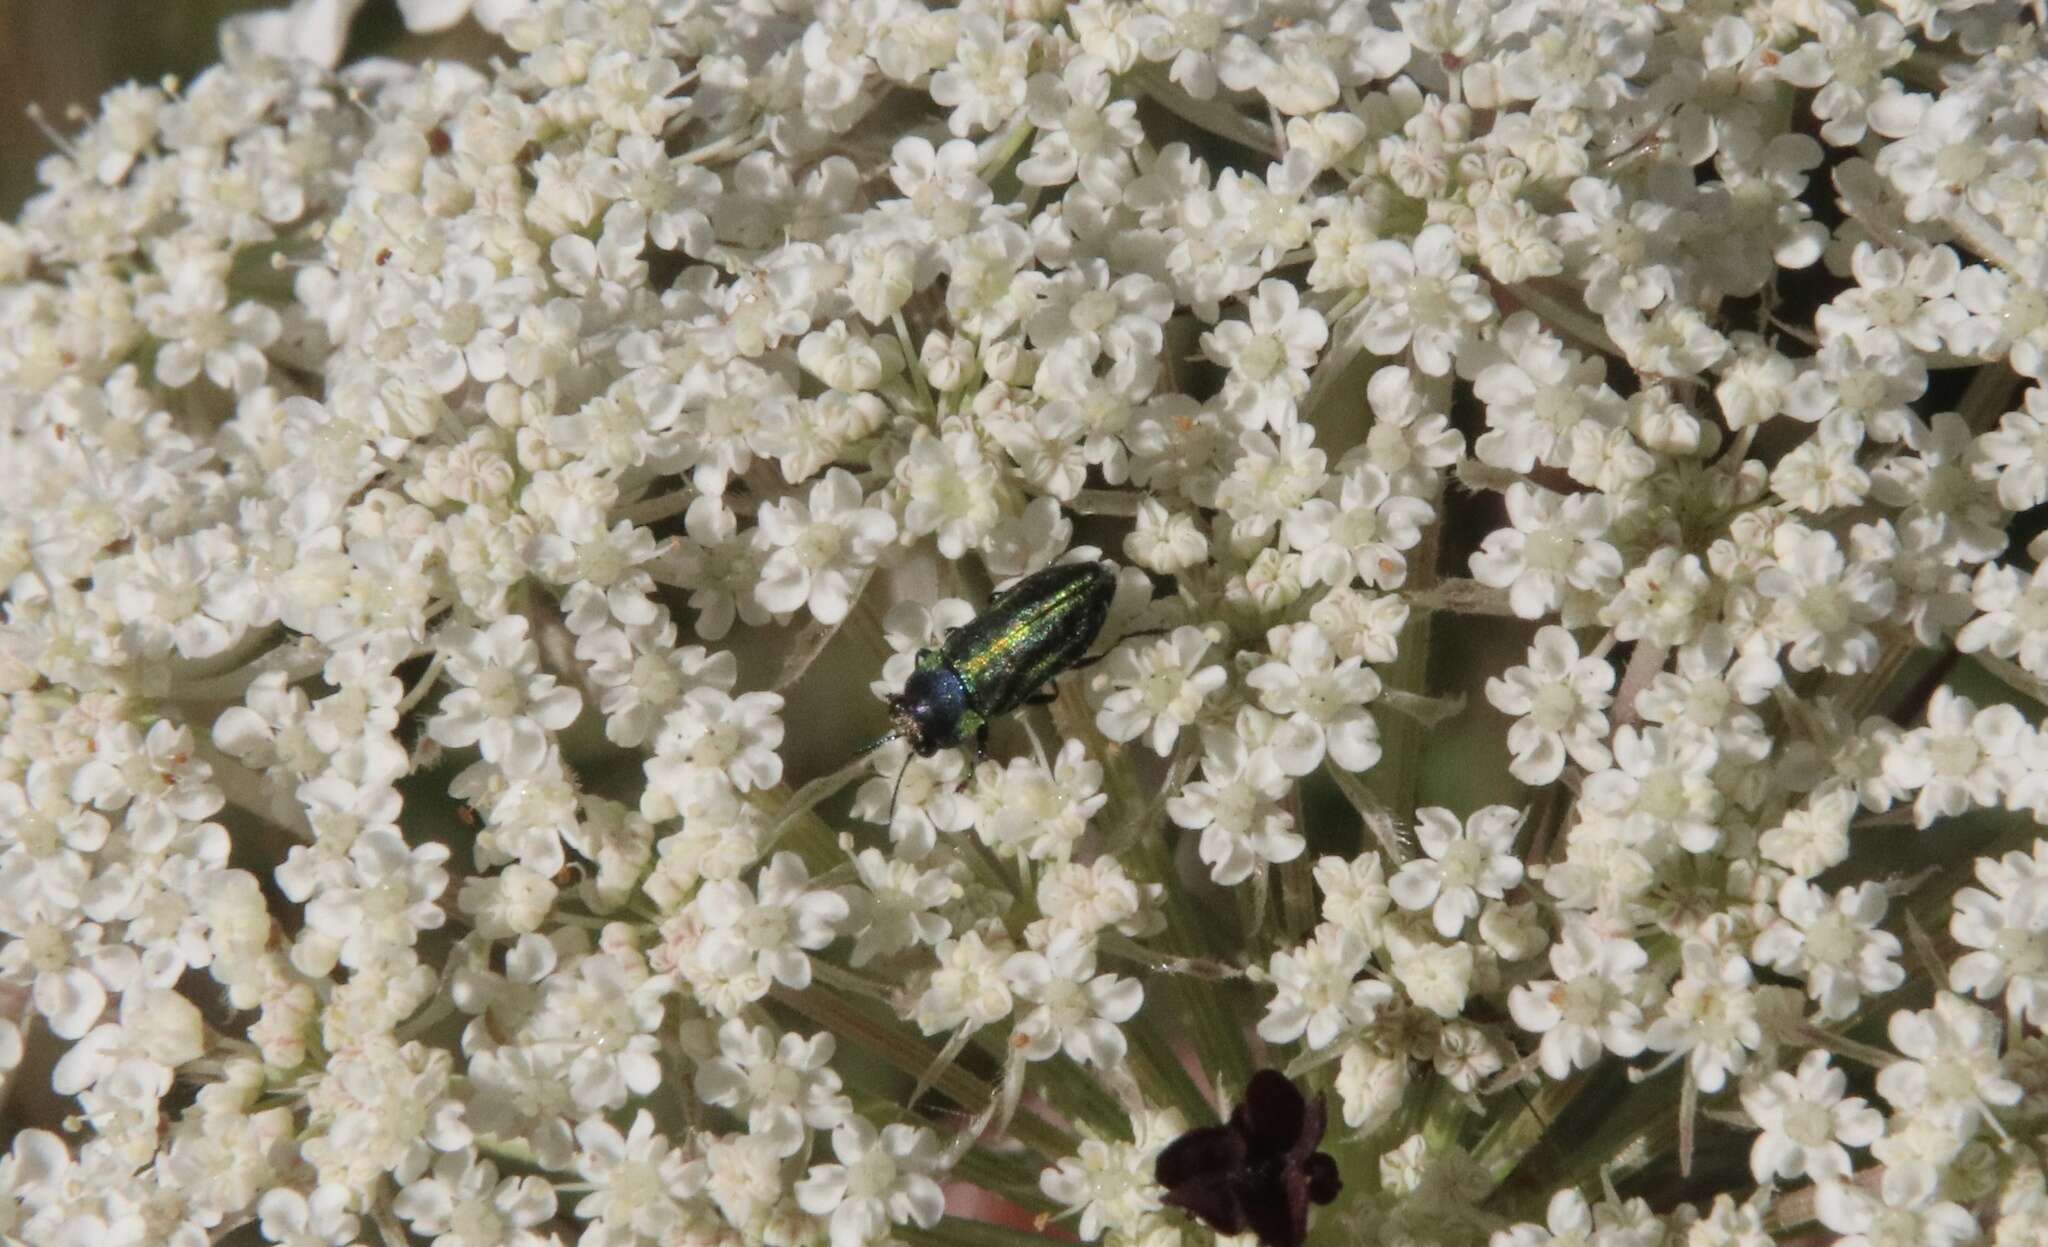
(1151, 822)
(1010, 1176)
(1563, 309)
(1378, 819)
(1988, 397)
(2014, 676)
(250, 792)
(1122, 503)
(1644, 664)
(1426, 711)
(1881, 684)
(1461, 597)
(852, 980)
(658, 507)
(1395, 776)
(1445, 1122)
(882, 1035)
(795, 810)
(1641, 1124)
(227, 678)
(961, 1232)
(1115, 945)
(1215, 116)
(911, 364)
(1158, 1067)
(1510, 1139)
(1862, 1053)
(1253, 911)
(1297, 894)
(813, 639)
(1078, 1093)
(508, 1151)
(1214, 1016)
(1987, 240)
(990, 868)
(1003, 148)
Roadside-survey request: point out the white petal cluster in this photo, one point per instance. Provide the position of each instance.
(1572, 701)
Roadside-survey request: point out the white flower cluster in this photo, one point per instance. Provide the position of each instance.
(1574, 463)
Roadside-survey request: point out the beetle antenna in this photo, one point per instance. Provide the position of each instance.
(898, 788)
(892, 734)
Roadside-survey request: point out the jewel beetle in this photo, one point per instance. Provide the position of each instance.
(1001, 659)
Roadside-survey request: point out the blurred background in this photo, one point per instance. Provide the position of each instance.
(60, 55)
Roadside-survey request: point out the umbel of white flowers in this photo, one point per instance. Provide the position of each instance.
(1575, 466)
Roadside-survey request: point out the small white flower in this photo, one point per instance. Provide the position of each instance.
(1555, 544)
(715, 739)
(896, 906)
(1317, 992)
(951, 491)
(1271, 478)
(1813, 837)
(1591, 1005)
(1268, 355)
(463, 1203)
(1322, 700)
(1109, 1182)
(1661, 789)
(967, 986)
(638, 1182)
(1835, 945)
(1355, 893)
(505, 705)
(1422, 299)
(1807, 1124)
(2012, 619)
(1462, 863)
(782, 1084)
(1077, 1010)
(321, 1219)
(2015, 454)
(1895, 1215)
(881, 1179)
(1235, 805)
(1165, 541)
(1709, 690)
(1156, 690)
(1559, 699)
(820, 550)
(1952, 1070)
(391, 896)
(1538, 396)
(765, 931)
(984, 83)
(1025, 809)
(1711, 1014)
(1370, 1084)
(1822, 605)
(1437, 977)
(2007, 929)
(1963, 758)
(1361, 533)
(1082, 133)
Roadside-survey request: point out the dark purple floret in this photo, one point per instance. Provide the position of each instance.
(1259, 1171)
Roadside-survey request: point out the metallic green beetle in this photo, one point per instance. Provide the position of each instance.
(1001, 659)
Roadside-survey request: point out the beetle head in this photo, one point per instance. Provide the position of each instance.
(929, 709)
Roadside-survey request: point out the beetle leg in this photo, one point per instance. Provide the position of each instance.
(1043, 697)
(1092, 659)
